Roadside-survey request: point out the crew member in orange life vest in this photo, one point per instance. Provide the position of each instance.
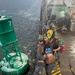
(49, 60)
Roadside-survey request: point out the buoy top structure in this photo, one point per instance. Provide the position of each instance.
(7, 33)
(14, 62)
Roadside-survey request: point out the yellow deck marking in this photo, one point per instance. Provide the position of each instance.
(57, 65)
(53, 71)
(58, 68)
(57, 71)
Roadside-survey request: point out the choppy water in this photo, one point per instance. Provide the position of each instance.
(25, 15)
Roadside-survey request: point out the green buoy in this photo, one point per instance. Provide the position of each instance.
(14, 62)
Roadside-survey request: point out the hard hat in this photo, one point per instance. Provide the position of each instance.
(48, 50)
(45, 26)
(61, 41)
(44, 36)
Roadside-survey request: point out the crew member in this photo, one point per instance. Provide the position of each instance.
(56, 46)
(46, 42)
(49, 60)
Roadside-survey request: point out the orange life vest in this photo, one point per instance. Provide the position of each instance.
(50, 58)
